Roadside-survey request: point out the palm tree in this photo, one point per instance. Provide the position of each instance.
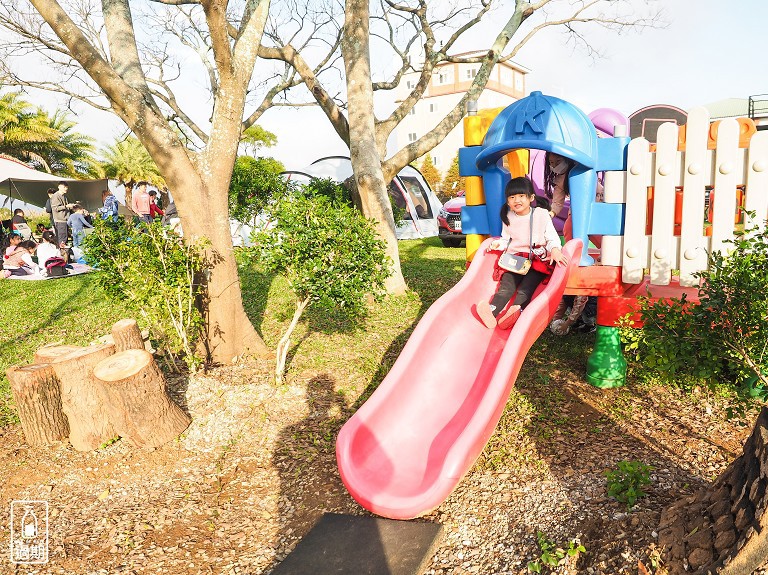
(73, 156)
(25, 132)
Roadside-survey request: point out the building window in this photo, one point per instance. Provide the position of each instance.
(433, 107)
(436, 161)
(412, 111)
(471, 73)
(445, 77)
(410, 84)
(412, 137)
(506, 77)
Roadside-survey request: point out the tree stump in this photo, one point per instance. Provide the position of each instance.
(81, 401)
(53, 353)
(134, 394)
(35, 390)
(723, 528)
(127, 335)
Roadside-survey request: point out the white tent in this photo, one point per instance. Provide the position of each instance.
(20, 183)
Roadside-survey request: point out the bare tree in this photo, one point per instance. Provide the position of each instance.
(90, 52)
(421, 34)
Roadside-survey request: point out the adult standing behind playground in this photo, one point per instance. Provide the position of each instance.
(60, 210)
(141, 203)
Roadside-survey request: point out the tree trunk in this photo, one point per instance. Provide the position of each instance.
(127, 335)
(53, 353)
(81, 400)
(134, 395)
(35, 390)
(363, 152)
(723, 528)
(229, 332)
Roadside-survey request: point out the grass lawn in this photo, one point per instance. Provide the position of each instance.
(35, 313)
(75, 311)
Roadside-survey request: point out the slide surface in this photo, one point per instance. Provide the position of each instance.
(405, 450)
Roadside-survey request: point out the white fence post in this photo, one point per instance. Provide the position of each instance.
(636, 242)
(725, 183)
(665, 177)
(757, 181)
(693, 243)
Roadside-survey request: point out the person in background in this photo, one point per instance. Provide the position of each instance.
(141, 202)
(153, 209)
(20, 262)
(60, 210)
(10, 244)
(48, 209)
(78, 223)
(18, 217)
(109, 210)
(47, 249)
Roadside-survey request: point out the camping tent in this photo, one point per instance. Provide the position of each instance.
(19, 182)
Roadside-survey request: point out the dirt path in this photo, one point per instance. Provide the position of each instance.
(257, 468)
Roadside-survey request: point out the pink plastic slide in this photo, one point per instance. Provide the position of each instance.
(406, 449)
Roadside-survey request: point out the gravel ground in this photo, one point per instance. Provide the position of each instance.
(257, 469)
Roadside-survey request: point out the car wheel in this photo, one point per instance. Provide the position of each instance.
(451, 242)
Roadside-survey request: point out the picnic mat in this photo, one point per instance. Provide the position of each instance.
(72, 270)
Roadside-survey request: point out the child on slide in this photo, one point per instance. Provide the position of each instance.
(529, 232)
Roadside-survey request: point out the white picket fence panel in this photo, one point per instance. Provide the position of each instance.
(666, 169)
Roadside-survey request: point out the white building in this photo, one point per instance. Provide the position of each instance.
(448, 84)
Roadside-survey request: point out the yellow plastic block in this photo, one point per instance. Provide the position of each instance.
(475, 127)
(473, 192)
(473, 244)
(517, 161)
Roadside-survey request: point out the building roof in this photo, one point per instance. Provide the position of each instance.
(738, 107)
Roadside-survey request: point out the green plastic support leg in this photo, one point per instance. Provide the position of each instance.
(606, 366)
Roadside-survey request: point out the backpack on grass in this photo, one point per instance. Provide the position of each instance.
(56, 267)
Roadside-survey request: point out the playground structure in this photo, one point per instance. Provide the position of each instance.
(403, 452)
(653, 217)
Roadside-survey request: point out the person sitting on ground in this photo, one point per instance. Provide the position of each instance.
(154, 211)
(47, 249)
(20, 262)
(39, 231)
(78, 224)
(527, 231)
(10, 244)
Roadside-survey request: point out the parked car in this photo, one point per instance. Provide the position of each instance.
(409, 191)
(449, 220)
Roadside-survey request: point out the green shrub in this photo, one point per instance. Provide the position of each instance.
(329, 253)
(625, 484)
(159, 274)
(254, 182)
(724, 336)
(551, 554)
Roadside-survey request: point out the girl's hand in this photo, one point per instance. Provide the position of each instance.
(557, 256)
(495, 245)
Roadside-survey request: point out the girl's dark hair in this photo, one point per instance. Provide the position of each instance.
(521, 185)
(49, 236)
(28, 245)
(549, 176)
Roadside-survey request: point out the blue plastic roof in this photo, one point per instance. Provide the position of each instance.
(545, 123)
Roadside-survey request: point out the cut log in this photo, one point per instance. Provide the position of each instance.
(35, 390)
(89, 425)
(134, 393)
(53, 353)
(127, 335)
